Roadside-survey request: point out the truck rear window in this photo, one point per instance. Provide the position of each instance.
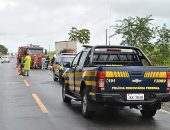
(117, 57)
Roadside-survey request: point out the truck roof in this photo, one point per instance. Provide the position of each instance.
(115, 48)
(31, 47)
(111, 46)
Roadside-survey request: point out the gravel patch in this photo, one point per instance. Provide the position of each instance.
(166, 106)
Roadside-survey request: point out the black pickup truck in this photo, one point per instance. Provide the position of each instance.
(115, 76)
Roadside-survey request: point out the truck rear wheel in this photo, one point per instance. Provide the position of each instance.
(64, 91)
(85, 106)
(60, 77)
(148, 113)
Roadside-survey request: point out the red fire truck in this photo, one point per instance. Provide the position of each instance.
(33, 51)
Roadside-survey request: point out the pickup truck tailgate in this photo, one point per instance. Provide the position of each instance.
(135, 79)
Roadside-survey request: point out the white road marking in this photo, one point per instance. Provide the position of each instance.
(40, 104)
(26, 83)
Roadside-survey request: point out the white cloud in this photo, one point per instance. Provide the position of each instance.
(46, 21)
(4, 4)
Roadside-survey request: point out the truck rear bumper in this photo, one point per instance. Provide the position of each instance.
(121, 99)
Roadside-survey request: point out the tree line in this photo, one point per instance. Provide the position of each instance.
(3, 50)
(139, 32)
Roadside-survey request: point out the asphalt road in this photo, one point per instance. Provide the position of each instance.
(35, 103)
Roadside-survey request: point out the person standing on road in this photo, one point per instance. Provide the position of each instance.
(27, 64)
(35, 62)
(22, 66)
(53, 59)
(47, 61)
(43, 62)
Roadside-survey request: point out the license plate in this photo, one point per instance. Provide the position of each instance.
(135, 96)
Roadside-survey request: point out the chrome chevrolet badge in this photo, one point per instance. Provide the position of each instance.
(136, 81)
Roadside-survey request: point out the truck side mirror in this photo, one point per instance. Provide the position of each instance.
(66, 64)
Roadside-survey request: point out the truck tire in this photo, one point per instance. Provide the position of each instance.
(60, 78)
(85, 105)
(148, 113)
(54, 77)
(64, 91)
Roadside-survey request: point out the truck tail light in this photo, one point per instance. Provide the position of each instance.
(168, 81)
(101, 80)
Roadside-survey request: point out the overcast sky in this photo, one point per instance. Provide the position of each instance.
(43, 22)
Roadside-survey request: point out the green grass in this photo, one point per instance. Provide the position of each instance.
(51, 54)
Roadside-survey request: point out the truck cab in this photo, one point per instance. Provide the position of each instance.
(58, 66)
(33, 51)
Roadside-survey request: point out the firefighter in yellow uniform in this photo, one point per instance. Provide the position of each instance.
(27, 64)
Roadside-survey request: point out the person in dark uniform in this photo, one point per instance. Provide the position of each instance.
(21, 65)
(47, 61)
(53, 59)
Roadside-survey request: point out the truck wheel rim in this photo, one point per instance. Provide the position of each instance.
(64, 90)
(84, 103)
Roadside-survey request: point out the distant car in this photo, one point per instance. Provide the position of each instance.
(58, 68)
(5, 59)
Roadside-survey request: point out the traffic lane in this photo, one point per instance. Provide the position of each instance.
(68, 116)
(18, 110)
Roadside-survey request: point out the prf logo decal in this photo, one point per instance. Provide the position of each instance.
(136, 81)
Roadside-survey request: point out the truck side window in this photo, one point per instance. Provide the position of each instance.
(145, 62)
(76, 60)
(56, 60)
(83, 58)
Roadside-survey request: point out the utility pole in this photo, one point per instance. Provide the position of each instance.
(109, 33)
(106, 36)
